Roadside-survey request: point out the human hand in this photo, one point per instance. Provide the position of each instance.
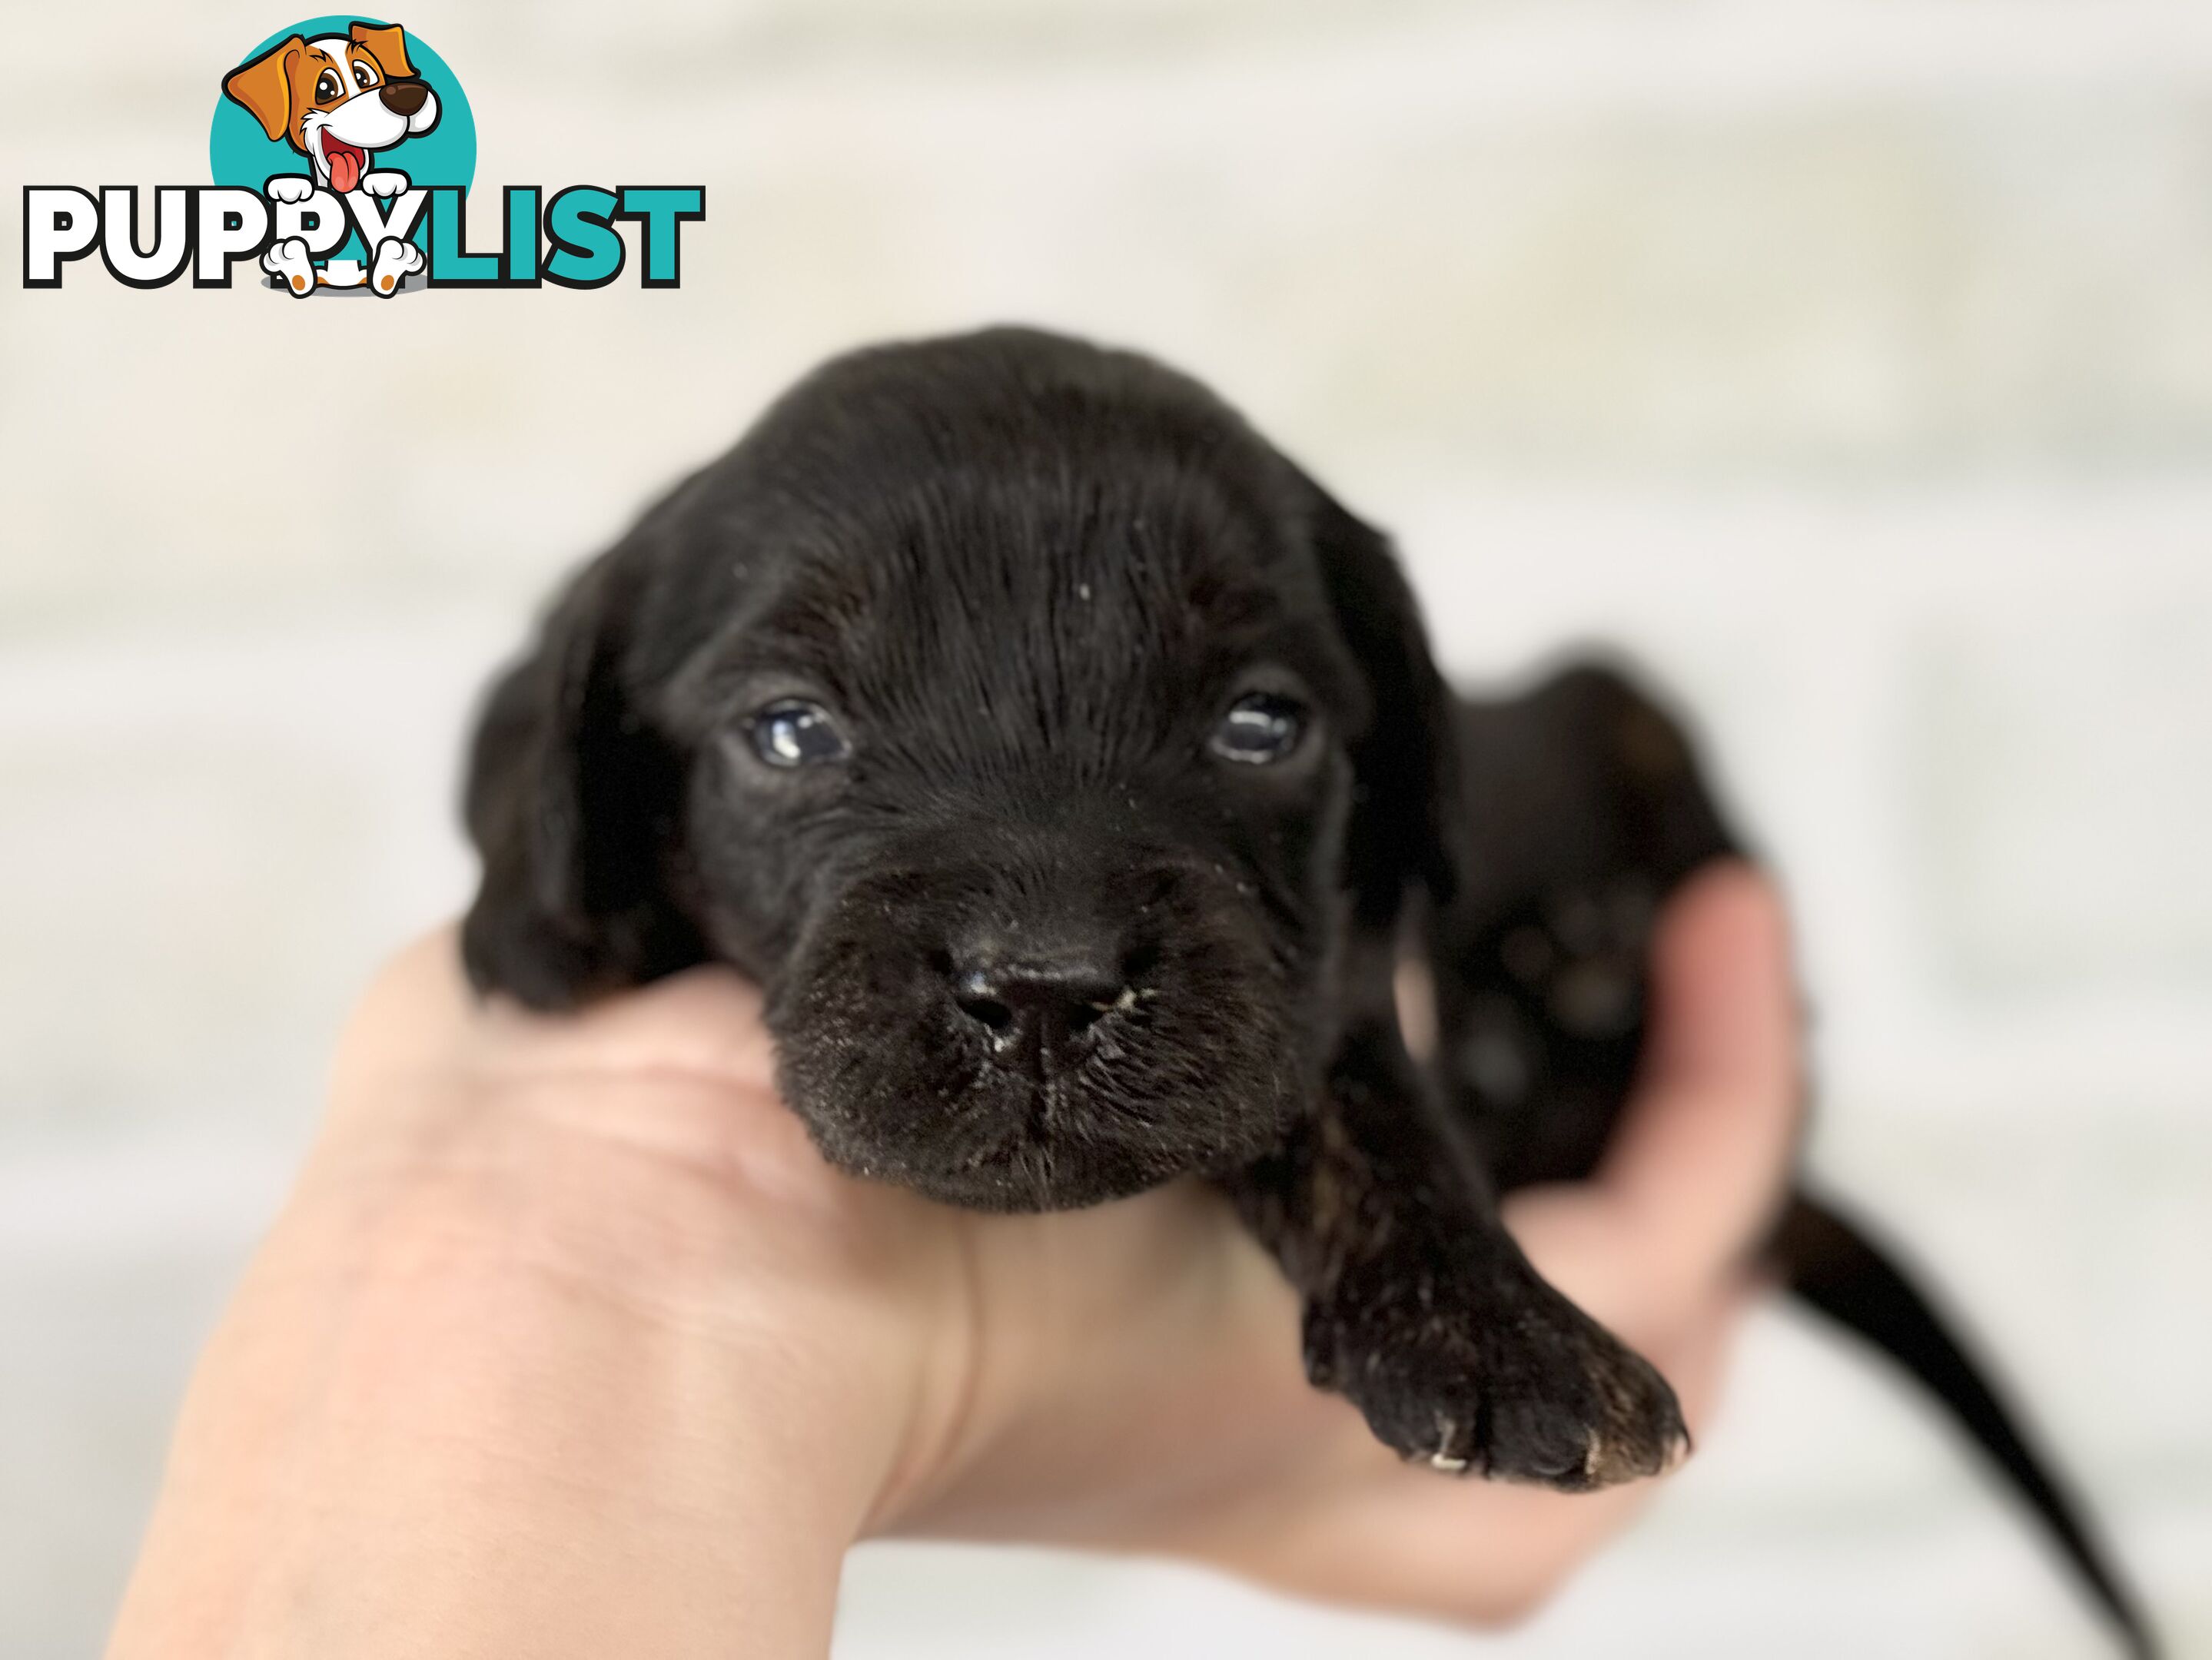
(569, 1343)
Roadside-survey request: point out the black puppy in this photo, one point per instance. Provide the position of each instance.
(1068, 767)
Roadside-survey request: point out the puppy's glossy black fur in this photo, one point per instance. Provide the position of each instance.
(1066, 765)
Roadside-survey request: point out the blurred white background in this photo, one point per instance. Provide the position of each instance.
(1849, 360)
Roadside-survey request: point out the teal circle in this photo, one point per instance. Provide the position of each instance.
(240, 153)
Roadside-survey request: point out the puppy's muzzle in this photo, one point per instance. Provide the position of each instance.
(403, 97)
(1043, 1009)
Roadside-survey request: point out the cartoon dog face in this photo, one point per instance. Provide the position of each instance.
(337, 98)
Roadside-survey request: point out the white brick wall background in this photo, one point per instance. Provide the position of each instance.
(1851, 362)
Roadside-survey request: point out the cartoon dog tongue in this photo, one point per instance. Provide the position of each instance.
(345, 165)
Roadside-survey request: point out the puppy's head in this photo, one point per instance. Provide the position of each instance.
(1034, 732)
(337, 98)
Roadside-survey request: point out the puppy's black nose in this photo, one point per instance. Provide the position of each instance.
(404, 97)
(1040, 1009)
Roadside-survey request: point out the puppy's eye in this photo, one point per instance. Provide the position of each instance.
(364, 76)
(1260, 726)
(793, 732)
(328, 86)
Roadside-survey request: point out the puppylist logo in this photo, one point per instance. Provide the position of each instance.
(342, 149)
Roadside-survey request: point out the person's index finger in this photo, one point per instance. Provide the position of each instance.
(1702, 1153)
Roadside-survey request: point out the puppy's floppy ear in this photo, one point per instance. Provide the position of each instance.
(576, 804)
(1406, 826)
(387, 45)
(264, 86)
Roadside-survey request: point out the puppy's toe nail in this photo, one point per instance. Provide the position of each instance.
(1612, 1460)
(1445, 1457)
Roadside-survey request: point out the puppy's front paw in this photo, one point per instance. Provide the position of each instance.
(1493, 1373)
(287, 262)
(384, 182)
(289, 187)
(395, 257)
